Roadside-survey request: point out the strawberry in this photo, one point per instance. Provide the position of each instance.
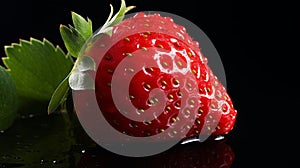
(151, 77)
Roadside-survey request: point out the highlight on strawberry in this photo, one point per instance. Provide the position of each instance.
(146, 78)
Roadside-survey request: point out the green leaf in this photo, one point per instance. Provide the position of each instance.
(75, 37)
(8, 97)
(84, 27)
(129, 8)
(37, 68)
(118, 17)
(59, 96)
(73, 40)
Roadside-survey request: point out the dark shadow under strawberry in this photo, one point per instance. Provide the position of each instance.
(212, 154)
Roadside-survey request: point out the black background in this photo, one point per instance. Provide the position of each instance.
(257, 44)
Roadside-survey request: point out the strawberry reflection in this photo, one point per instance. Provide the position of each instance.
(212, 154)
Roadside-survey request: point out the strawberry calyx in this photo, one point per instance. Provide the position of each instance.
(78, 77)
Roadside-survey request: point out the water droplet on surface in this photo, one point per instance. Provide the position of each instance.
(17, 158)
(54, 161)
(1, 131)
(83, 151)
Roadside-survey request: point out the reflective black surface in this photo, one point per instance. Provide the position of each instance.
(39, 141)
(59, 141)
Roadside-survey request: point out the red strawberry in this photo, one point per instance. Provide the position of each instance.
(148, 63)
